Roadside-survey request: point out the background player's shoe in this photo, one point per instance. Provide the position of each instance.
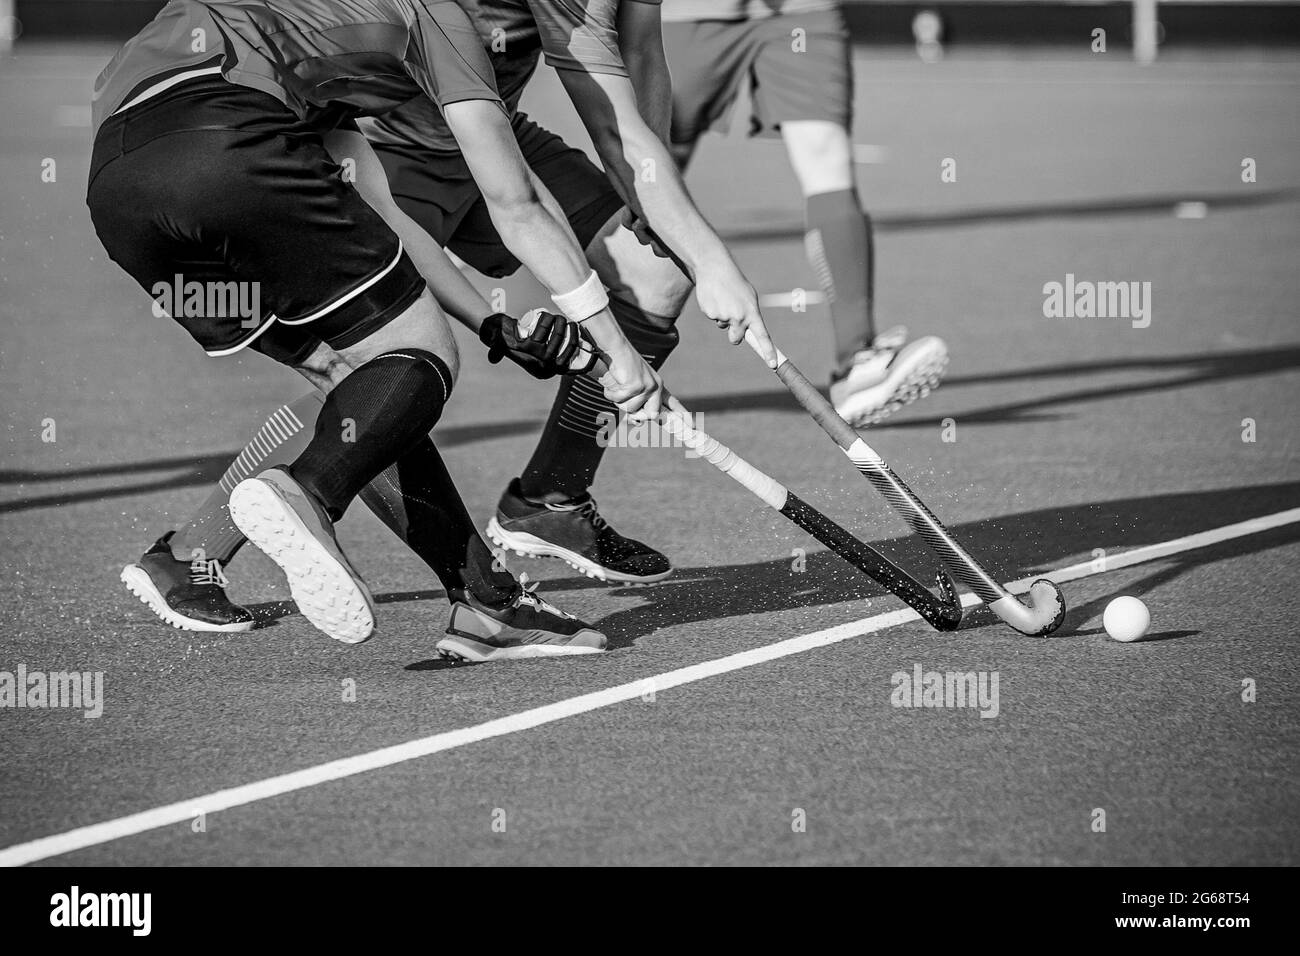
(887, 376)
(575, 532)
(185, 594)
(283, 520)
(526, 627)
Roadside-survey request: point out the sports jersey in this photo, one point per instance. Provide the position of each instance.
(572, 34)
(326, 61)
(689, 10)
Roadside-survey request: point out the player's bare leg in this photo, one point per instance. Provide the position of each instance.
(875, 373)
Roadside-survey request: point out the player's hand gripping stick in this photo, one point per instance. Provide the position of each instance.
(943, 612)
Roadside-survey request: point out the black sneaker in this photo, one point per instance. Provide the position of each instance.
(525, 627)
(575, 532)
(188, 595)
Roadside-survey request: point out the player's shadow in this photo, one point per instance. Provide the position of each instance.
(1011, 546)
(189, 471)
(1159, 204)
(1185, 371)
(268, 613)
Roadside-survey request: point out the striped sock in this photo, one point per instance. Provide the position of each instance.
(564, 464)
(280, 440)
(841, 252)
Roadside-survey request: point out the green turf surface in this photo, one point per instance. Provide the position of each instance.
(1072, 435)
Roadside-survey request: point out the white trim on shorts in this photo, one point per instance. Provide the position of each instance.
(231, 350)
(325, 310)
(349, 296)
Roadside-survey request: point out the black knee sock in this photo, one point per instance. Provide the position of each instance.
(369, 421)
(418, 500)
(568, 454)
(841, 251)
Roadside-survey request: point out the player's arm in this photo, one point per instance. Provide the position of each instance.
(550, 348)
(648, 180)
(455, 294)
(641, 44)
(541, 239)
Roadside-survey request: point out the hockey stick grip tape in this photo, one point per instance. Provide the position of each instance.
(676, 421)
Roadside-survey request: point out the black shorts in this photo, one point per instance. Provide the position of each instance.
(227, 209)
(438, 192)
(711, 60)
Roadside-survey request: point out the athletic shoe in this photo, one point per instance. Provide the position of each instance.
(185, 594)
(283, 519)
(887, 376)
(575, 532)
(526, 627)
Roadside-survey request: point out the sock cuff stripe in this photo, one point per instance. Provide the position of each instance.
(276, 428)
(438, 365)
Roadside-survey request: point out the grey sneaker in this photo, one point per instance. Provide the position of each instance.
(282, 519)
(526, 627)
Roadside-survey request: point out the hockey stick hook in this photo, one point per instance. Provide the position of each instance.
(1040, 613)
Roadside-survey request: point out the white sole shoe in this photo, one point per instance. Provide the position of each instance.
(915, 372)
(530, 546)
(476, 637)
(327, 591)
(139, 583)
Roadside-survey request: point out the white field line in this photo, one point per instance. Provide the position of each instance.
(172, 813)
(785, 300)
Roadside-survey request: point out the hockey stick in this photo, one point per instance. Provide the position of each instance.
(1046, 603)
(943, 613)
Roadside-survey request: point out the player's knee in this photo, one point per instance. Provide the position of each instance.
(651, 334)
(324, 367)
(422, 373)
(821, 154)
(633, 271)
(421, 326)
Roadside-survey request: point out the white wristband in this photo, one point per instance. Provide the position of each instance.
(584, 301)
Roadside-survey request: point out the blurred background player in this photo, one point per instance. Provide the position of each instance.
(794, 57)
(244, 125)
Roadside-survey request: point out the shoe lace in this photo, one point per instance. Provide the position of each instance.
(527, 595)
(207, 573)
(589, 511)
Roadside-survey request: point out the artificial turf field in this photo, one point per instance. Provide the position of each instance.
(1071, 435)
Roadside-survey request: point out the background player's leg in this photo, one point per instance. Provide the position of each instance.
(839, 237)
(874, 374)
